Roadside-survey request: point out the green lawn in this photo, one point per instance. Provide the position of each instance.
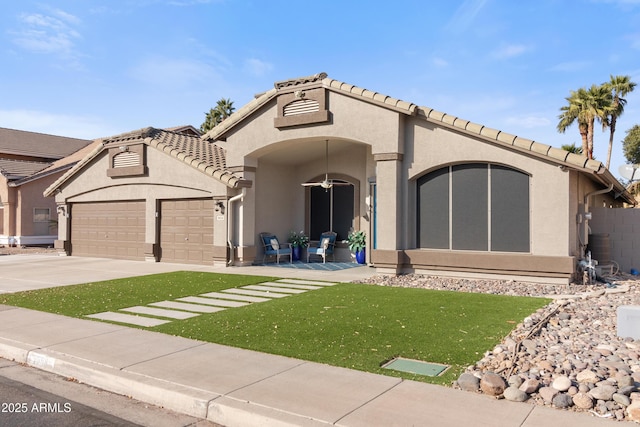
(349, 325)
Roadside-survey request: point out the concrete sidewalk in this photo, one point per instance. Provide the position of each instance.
(231, 386)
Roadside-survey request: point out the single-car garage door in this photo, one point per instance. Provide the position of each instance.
(186, 231)
(108, 229)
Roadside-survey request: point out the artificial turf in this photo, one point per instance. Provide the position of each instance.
(355, 326)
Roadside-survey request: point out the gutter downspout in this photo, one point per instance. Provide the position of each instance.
(587, 214)
(230, 224)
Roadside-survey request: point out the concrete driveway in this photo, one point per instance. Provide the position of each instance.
(38, 271)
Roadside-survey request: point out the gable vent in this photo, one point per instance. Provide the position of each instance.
(301, 106)
(126, 159)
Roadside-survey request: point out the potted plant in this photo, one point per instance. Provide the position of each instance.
(357, 241)
(297, 240)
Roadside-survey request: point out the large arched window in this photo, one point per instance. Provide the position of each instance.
(474, 206)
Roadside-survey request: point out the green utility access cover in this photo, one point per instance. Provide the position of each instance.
(416, 367)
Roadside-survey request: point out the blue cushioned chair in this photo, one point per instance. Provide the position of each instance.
(325, 246)
(272, 247)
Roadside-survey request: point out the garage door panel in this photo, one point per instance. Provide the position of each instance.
(108, 229)
(186, 231)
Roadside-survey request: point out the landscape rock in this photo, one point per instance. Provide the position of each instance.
(492, 384)
(562, 400)
(514, 394)
(571, 343)
(583, 401)
(469, 382)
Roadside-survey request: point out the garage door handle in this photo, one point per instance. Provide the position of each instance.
(186, 238)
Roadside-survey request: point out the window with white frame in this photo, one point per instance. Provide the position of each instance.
(474, 206)
(42, 222)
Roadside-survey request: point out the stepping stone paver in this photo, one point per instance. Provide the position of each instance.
(267, 287)
(255, 293)
(235, 297)
(306, 282)
(197, 308)
(295, 286)
(160, 312)
(212, 301)
(128, 318)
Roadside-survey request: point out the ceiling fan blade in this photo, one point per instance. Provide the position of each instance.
(311, 184)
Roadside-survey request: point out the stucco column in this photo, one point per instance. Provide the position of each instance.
(62, 244)
(387, 257)
(151, 246)
(245, 222)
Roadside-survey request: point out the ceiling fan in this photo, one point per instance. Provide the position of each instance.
(326, 183)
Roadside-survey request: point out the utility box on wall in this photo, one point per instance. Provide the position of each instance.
(629, 321)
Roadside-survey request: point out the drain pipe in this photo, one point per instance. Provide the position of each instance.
(588, 217)
(230, 224)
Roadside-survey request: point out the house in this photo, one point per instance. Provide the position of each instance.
(435, 193)
(29, 163)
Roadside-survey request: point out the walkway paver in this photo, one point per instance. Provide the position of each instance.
(172, 314)
(223, 295)
(196, 308)
(213, 301)
(128, 319)
(255, 293)
(267, 287)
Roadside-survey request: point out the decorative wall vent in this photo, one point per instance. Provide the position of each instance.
(126, 159)
(302, 106)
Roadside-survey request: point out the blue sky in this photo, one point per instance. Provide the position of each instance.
(96, 68)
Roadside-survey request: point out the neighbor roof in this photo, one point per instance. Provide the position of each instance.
(18, 142)
(17, 169)
(555, 155)
(205, 156)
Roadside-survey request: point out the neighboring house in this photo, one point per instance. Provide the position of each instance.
(435, 193)
(26, 170)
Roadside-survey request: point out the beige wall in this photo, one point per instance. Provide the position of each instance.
(167, 178)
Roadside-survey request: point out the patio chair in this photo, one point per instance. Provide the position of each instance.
(272, 247)
(325, 246)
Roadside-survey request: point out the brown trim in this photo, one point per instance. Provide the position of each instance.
(384, 157)
(136, 170)
(476, 262)
(316, 94)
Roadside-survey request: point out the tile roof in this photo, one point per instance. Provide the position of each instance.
(536, 149)
(32, 144)
(207, 157)
(17, 169)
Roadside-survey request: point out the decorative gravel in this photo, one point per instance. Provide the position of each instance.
(566, 355)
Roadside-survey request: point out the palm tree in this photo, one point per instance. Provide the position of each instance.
(619, 86)
(574, 112)
(585, 106)
(572, 148)
(223, 109)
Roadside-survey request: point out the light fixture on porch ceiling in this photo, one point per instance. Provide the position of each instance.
(326, 183)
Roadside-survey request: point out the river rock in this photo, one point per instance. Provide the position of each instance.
(603, 392)
(562, 383)
(621, 399)
(469, 382)
(548, 393)
(530, 385)
(633, 411)
(587, 376)
(492, 384)
(562, 400)
(583, 401)
(514, 394)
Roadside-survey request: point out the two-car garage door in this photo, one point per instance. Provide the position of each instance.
(117, 230)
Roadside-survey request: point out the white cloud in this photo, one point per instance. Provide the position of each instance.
(570, 66)
(440, 62)
(85, 127)
(51, 33)
(171, 72)
(509, 51)
(257, 67)
(465, 15)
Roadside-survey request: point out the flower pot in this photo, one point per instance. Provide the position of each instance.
(295, 253)
(361, 256)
